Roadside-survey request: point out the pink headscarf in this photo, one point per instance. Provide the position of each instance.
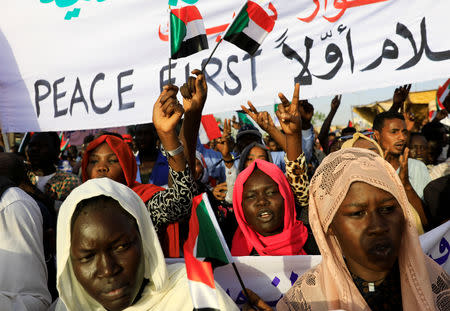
(288, 242)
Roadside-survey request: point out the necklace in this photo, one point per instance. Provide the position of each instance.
(366, 285)
(371, 285)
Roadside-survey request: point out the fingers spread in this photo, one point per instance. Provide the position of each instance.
(283, 99)
(295, 97)
(252, 108)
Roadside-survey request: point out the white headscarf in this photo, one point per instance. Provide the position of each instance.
(168, 287)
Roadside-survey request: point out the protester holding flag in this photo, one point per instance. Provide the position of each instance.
(371, 255)
(124, 268)
(263, 200)
(110, 156)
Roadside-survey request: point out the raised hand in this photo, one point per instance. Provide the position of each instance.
(236, 125)
(223, 143)
(441, 115)
(403, 174)
(400, 95)
(336, 102)
(194, 92)
(263, 119)
(410, 118)
(167, 111)
(289, 113)
(220, 191)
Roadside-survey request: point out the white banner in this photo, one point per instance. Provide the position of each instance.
(436, 244)
(72, 64)
(270, 277)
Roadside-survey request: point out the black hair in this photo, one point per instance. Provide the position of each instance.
(415, 134)
(246, 151)
(52, 137)
(433, 131)
(348, 131)
(88, 139)
(13, 167)
(101, 202)
(378, 122)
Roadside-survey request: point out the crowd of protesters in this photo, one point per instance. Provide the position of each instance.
(88, 229)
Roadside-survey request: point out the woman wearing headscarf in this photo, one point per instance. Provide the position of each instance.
(110, 156)
(264, 206)
(371, 256)
(360, 140)
(266, 203)
(109, 257)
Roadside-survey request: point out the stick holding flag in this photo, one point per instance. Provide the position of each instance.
(205, 240)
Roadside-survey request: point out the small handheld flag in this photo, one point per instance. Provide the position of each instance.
(441, 94)
(205, 240)
(250, 27)
(187, 32)
(209, 129)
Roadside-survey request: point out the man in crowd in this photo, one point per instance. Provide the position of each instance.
(390, 132)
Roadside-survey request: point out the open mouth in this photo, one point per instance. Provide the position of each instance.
(399, 145)
(381, 249)
(265, 215)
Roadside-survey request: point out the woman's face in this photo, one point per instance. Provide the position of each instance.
(369, 226)
(255, 153)
(263, 204)
(107, 256)
(103, 162)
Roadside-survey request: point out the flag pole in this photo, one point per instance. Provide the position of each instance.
(170, 49)
(212, 53)
(221, 39)
(170, 71)
(242, 285)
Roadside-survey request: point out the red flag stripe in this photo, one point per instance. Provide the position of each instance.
(187, 14)
(210, 125)
(259, 16)
(197, 270)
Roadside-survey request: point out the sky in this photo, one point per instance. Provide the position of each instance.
(344, 114)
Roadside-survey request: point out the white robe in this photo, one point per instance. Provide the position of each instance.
(23, 273)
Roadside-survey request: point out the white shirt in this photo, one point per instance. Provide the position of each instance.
(23, 274)
(41, 181)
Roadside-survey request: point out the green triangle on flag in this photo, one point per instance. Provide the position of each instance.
(187, 32)
(250, 27)
(243, 118)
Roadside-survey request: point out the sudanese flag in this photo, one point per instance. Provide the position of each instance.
(187, 32)
(250, 27)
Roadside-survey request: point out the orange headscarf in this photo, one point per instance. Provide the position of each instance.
(145, 191)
